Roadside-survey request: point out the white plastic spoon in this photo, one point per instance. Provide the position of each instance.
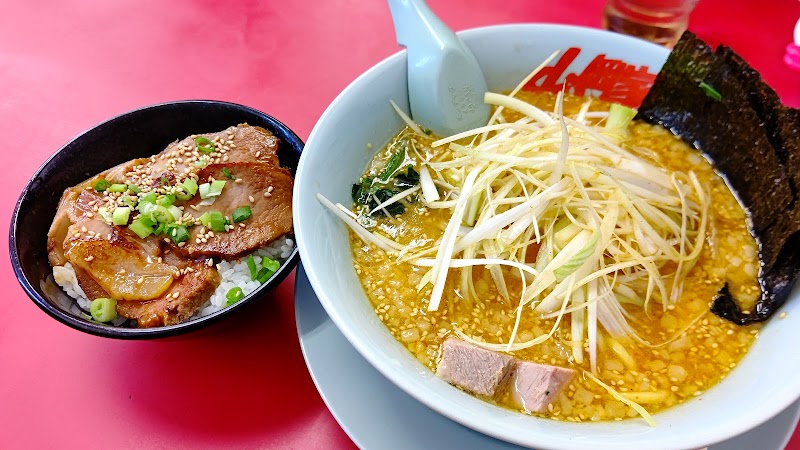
(445, 82)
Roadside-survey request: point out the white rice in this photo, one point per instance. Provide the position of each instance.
(233, 273)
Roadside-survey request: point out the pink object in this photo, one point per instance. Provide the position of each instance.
(67, 66)
(792, 56)
(534, 386)
(474, 369)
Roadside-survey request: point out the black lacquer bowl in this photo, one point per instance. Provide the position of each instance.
(139, 133)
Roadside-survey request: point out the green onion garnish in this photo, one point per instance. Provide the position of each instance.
(120, 215)
(228, 173)
(101, 185)
(270, 264)
(213, 189)
(214, 220)
(182, 195)
(162, 215)
(710, 91)
(130, 201)
(241, 214)
(178, 234)
(204, 144)
(251, 264)
(141, 229)
(234, 295)
(167, 200)
(134, 188)
(216, 188)
(103, 309)
(149, 198)
(200, 163)
(204, 188)
(117, 188)
(269, 267)
(160, 229)
(190, 186)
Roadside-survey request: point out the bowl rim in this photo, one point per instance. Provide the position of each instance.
(110, 331)
(400, 378)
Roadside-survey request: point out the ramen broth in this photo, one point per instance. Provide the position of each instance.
(691, 349)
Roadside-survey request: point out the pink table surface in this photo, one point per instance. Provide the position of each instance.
(67, 65)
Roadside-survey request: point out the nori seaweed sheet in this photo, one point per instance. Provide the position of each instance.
(753, 141)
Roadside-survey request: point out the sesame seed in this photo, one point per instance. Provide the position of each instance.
(267, 194)
(250, 197)
(77, 235)
(209, 262)
(83, 229)
(241, 225)
(782, 315)
(140, 280)
(89, 258)
(238, 180)
(89, 215)
(269, 189)
(181, 244)
(176, 295)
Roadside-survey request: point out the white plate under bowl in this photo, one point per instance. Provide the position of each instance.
(376, 414)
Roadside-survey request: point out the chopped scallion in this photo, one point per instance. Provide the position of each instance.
(204, 144)
(101, 185)
(251, 264)
(141, 229)
(190, 186)
(228, 173)
(162, 214)
(167, 200)
(204, 189)
(117, 187)
(234, 295)
(214, 220)
(134, 188)
(241, 214)
(103, 309)
(216, 188)
(178, 234)
(176, 212)
(121, 215)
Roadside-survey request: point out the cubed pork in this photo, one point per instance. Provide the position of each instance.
(474, 369)
(534, 386)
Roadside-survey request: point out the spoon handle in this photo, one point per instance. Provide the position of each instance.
(445, 81)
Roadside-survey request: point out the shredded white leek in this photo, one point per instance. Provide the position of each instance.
(586, 224)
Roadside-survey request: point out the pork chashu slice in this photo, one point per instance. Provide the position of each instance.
(242, 143)
(151, 286)
(265, 188)
(193, 286)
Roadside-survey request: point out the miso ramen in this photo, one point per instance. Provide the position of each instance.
(601, 254)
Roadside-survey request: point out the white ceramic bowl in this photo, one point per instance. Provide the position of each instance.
(337, 153)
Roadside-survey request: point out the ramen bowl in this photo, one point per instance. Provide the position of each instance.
(360, 121)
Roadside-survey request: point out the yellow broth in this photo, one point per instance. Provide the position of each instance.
(699, 350)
